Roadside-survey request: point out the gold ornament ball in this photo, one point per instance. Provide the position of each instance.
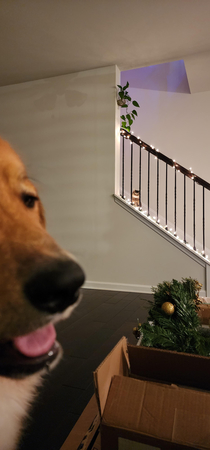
(168, 308)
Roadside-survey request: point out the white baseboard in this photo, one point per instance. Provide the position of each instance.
(106, 286)
(118, 287)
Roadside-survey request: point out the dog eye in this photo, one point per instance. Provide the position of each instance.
(29, 200)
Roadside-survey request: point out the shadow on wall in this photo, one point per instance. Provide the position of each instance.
(56, 87)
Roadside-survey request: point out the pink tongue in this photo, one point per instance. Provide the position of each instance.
(36, 343)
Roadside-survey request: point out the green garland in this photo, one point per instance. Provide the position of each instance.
(179, 330)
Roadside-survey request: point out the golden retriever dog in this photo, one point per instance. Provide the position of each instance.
(39, 285)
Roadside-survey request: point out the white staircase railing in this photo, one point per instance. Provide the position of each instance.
(168, 197)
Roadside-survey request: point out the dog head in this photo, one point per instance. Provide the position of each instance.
(39, 282)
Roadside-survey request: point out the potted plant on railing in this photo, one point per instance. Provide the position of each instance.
(124, 100)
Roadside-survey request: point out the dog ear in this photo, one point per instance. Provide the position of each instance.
(42, 214)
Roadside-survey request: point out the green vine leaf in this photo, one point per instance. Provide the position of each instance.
(123, 94)
(126, 86)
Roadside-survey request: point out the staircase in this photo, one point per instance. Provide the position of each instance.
(167, 197)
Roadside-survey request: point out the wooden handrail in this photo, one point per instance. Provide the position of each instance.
(165, 158)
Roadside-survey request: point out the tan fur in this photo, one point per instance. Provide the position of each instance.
(24, 244)
(15, 399)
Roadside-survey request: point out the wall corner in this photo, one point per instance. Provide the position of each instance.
(117, 136)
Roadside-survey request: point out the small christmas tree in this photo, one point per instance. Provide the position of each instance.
(173, 323)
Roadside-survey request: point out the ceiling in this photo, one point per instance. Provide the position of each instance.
(45, 38)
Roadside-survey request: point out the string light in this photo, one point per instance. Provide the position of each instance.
(156, 221)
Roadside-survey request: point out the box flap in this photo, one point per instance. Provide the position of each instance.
(116, 363)
(198, 434)
(166, 413)
(169, 366)
(85, 428)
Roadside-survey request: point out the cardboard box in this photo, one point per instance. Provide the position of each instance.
(153, 399)
(204, 314)
(85, 433)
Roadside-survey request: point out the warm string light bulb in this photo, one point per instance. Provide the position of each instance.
(154, 219)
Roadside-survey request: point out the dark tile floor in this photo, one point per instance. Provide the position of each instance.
(100, 320)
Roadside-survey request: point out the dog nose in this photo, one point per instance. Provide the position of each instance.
(56, 286)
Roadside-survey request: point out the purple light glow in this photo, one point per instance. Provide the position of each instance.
(168, 77)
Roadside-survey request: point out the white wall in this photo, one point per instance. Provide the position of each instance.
(64, 128)
(176, 123)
